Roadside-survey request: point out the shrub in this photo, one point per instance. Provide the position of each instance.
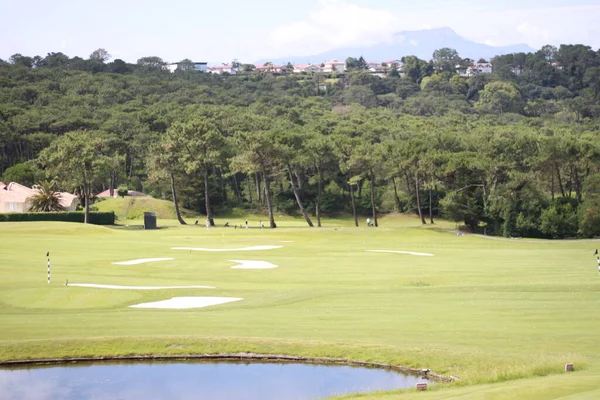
(122, 190)
(96, 218)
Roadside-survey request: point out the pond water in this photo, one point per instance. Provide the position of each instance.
(191, 380)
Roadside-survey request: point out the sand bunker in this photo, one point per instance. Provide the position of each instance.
(246, 264)
(142, 261)
(238, 249)
(187, 302)
(93, 285)
(412, 253)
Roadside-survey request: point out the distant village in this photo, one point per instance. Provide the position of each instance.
(381, 69)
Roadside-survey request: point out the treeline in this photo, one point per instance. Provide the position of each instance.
(512, 153)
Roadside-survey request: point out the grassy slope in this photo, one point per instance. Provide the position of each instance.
(134, 207)
(487, 311)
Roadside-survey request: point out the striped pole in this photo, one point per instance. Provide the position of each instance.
(48, 255)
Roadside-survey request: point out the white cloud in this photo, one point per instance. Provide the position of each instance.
(339, 23)
(335, 24)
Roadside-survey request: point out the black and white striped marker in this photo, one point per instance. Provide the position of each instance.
(48, 255)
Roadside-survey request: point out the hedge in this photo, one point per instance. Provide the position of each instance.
(97, 218)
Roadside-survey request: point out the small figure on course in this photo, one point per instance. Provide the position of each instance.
(226, 224)
(262, 225)
(246, 224)
(196, 223)
(368, 221)
(207, 222)
(598, 265)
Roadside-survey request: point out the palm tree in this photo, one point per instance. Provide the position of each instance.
(47, 199)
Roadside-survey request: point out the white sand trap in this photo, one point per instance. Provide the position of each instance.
(246, 264)
(412, 253)
(238, 249)
(142, 261)
(93, 285)
(187, 302)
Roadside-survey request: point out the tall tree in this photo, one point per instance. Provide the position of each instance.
(76, 159)
(200, 147)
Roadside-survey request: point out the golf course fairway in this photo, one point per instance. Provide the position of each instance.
(503, 316)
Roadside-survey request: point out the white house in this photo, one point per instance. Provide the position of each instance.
(198, 66)
(476, 68)
(484, 67)
(334, 66)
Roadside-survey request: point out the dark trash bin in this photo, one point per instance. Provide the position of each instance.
(150, 220)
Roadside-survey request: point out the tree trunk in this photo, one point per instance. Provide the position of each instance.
(175, 202)
(207, 198)
(259, 198)
(560, 185)
(222, 184)
(236, 187)
(86, 194)
(372, 184)
(269, 202)
(430, 207)
(112, 184)
(248, 179)
(319, 190)
(353, 205)
(396, 198)
(417, 188)
(298, 200)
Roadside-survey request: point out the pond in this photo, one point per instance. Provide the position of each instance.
(193, 380)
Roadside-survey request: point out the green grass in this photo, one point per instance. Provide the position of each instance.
(502, 315)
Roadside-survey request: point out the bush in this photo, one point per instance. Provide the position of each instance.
(122, 191)
(96, 218)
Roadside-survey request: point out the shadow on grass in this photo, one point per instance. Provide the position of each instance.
(135, 227)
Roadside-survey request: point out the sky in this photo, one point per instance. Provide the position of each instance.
(213, 31)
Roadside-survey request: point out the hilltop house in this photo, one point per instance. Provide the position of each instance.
(198, 66)
(334, 66)
(15, 197)
(307, 68)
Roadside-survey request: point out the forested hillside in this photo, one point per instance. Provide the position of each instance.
(512, 153)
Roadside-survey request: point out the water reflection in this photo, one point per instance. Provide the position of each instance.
(182, 380)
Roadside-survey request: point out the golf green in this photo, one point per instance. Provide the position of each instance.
(504, 316)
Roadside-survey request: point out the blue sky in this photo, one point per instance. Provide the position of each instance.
(214, 31)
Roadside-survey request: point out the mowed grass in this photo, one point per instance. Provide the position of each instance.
(504, 316)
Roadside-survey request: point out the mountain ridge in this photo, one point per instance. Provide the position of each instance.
(420, 43)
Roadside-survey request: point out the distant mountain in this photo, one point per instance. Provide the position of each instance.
(418, 43)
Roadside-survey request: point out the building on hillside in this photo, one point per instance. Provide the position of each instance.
(374, 66)
(476, 69)
(269, 67)
(198, 66)
(298, 68)
(132, 193)
(223, 69)
(483, 67)
(334, 66)
(557, 65)
(15, 197)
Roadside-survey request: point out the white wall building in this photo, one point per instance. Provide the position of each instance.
(198, 66)
(334, 66)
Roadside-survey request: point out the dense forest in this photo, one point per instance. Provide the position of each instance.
(514, 152)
